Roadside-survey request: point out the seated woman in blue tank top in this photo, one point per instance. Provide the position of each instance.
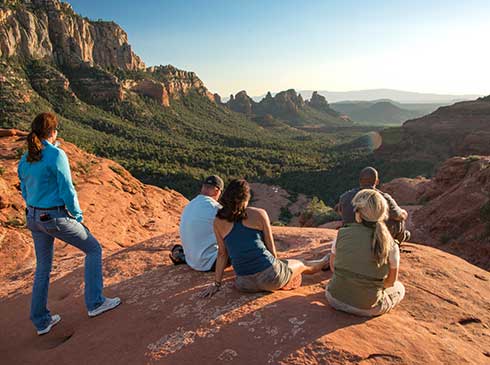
(244, 235)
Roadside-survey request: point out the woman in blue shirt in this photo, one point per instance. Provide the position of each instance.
(244, 235)
(53, 212)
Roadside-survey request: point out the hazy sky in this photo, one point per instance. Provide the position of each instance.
(261, 45)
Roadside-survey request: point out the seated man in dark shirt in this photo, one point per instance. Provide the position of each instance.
(368, 179)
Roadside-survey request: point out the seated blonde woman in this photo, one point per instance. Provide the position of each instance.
(365, 261)
(245, 236)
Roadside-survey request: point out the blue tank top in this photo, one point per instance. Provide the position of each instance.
(247, 250)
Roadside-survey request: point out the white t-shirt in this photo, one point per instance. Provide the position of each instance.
(197, 234)
(393, 255)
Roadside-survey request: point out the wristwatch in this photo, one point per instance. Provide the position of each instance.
(217, 284)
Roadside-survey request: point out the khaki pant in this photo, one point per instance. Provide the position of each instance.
(391, 297)
(273, 278)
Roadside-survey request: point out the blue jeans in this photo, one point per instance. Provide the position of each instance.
(63, 227)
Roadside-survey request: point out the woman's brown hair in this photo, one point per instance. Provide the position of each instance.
(41, 128)
(234, 201)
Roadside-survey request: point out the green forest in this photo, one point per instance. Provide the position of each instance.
(178, 146)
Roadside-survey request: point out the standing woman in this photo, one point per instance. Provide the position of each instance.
(53, 212)
(245, 235)
(365, 261)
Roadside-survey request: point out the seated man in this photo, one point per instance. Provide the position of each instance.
(368, 179)
(196, 226)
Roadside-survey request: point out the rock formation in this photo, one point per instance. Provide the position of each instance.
(51, 30)
(217, 99)
(88, 53)
(286, 108)
(456, 211)
(149, 88)
(406, 191)
(318, 101)
(179, 83)
(452, 210)
(242, 103)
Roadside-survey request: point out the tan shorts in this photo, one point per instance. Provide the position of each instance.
(391, 297)
(273, 278)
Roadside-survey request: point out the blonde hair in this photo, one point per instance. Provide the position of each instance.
(371, 207)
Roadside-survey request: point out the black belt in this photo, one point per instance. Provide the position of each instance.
(51, 208)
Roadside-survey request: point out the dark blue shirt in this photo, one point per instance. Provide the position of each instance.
(247, 250)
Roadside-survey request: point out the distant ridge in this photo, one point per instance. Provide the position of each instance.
(383, 112)
(400, 96)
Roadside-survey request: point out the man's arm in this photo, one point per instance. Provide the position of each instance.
(395, 212)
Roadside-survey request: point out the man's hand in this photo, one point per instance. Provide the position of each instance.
(209, 291)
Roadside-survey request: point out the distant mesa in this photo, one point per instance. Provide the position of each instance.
(287, 108)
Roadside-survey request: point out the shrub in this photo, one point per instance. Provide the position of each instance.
(485, 217)
(117, 170)
(485, 212)
(318, 213)
(445, 238)
(285, 215)
(278, 224)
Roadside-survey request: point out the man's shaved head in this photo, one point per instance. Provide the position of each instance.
(368, 177)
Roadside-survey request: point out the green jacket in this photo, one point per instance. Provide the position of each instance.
(357, 279)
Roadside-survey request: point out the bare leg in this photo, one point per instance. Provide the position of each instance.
(307, 267)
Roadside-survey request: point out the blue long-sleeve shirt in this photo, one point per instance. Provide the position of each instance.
(47, 183)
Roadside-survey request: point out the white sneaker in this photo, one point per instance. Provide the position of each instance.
(55, 318)
(109, 303)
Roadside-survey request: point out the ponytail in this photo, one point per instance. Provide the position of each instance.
(41, 128)
(372, 209)
(34, 147)
(381, 244)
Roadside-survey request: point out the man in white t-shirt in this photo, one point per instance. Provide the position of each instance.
(196, 226)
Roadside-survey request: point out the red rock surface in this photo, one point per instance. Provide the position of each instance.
(406, 191)
(162, 321)
(456, 211)
(453, 211)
